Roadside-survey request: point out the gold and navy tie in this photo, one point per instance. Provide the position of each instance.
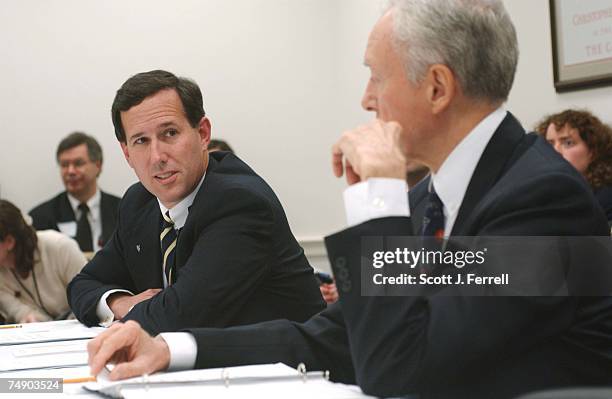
(168, 243)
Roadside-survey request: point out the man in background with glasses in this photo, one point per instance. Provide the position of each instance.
(83, 211)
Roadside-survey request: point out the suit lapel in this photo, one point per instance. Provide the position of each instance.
(106, 213)
(65, 211)
(493, 162)
(145, 247)
(197, 214)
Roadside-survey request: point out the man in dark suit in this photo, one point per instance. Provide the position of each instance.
(83, 211)
(201, 240)
(441, 70)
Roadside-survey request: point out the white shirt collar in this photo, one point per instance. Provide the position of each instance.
(179, 212)
(454, 175)
(93, 204)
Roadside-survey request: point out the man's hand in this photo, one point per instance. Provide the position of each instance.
(121, 303)
(329, 292)
(372, 150)
(133, 351)
(32, 317)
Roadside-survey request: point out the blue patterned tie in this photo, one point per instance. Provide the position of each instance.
(433, 218)
(168, 243)
(432, 229)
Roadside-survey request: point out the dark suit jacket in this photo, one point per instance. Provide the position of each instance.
(237, 261)
(47, 215)
(445, 346)
(604, 196)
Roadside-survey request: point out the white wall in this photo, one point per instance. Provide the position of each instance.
(533, 94)
(267, 70)
(281, 79)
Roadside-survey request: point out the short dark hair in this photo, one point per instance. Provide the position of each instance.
(220, 144)
(597, 137)
(13, 224)
(146, 84)
(77, 138)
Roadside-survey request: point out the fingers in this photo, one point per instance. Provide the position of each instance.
(337, 165)
(352, 176)
(341, 158)
(370, 150)
(130, 369)
(148, 294)
(108, 345)
(153, 356)
(96, 362)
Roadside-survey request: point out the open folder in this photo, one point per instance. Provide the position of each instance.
(269, 380)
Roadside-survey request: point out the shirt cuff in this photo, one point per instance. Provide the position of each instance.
(183, 350)
(376, 198)
(103, 311)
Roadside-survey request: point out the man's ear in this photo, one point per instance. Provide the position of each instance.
(9, 240)
(99, 166)
(204, 129)
(126, 153)
(441, 87)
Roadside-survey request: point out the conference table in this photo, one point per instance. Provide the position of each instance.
(49, 360)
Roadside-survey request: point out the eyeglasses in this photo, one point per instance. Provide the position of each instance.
(77, 163)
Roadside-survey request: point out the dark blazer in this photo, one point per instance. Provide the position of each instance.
(444, 346)
(604, 197)
(237, 260)
(47, 215)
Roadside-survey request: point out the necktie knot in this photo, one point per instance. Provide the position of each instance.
(168, 222)
(83, 208)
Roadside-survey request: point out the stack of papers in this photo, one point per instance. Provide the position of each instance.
(51, 331)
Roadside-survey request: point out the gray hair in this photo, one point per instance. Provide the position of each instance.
(474, 38)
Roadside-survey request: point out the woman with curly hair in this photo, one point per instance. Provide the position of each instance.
(35, 268)
(586, 143)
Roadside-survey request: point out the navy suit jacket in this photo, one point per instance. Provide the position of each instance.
(47, 215)
(445, 346)
(237, 261)
(604, 196)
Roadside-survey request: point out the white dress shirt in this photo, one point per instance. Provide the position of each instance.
(384, 197)
(178, 214)
(94, 217)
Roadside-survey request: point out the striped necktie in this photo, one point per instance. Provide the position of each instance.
(167, 239)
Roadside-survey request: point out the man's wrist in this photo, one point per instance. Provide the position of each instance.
(164, 352)
(182, 349)
(118, 302)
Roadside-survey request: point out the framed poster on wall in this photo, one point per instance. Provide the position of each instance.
(581, 33)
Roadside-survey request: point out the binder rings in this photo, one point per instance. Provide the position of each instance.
(271, 380)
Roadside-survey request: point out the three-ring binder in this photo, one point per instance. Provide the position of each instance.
(212, 377)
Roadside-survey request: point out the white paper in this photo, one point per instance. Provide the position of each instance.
(43, 355)
(50, 331)
(68, 228)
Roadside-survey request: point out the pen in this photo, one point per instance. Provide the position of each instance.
(79, 380)
(10, 326)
